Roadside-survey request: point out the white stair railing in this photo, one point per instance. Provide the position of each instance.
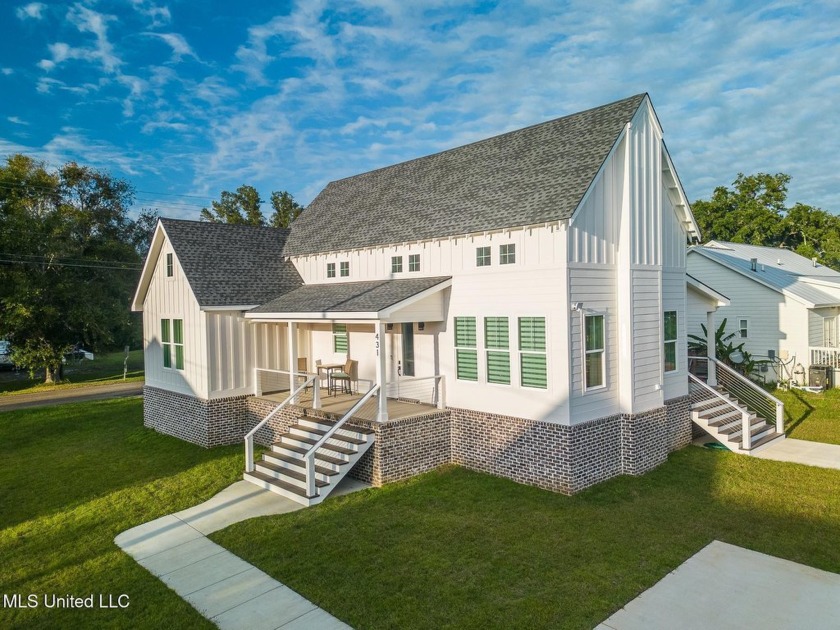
(309, 456)
(746, 434)
(310, 379)
(754, 397)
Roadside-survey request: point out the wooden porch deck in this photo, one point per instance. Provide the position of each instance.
(342, 403)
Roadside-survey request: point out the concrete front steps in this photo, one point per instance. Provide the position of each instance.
(724, 424)
(283, 468)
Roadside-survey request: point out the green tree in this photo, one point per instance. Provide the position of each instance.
(241, 207)
(812, 233)
(750, 212)
(286, 209)
(69, 265)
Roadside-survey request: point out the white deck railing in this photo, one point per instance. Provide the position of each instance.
(825, 356)
(309, 457)
(429, 390)
(746, 434)
(309, 379)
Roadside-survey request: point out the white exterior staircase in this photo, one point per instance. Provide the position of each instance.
(283, 468)
(724, 421)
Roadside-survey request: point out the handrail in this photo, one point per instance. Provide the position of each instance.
(249, 437)
(746, 436)
(310, 454)
(780, 406)
(438, 395)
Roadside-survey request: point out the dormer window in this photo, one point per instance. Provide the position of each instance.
(414, 262)
(170, 266)
(345, 269)
(330, 270)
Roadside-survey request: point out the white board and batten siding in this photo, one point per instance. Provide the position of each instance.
(172, 298)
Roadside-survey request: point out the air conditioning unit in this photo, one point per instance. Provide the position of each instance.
(819, 376)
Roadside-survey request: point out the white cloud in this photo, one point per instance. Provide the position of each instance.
(180, 47)
(16, 121)
(33, 10)
(101, 52)
(7, 71)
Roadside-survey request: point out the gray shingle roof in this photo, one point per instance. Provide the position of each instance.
(232, 265)
(349, 297)
(524, 177)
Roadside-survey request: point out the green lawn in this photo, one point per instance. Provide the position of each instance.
(105, 368)
(71, 478)
(458, 549)
(814, 417)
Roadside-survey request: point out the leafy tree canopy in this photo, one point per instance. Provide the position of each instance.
(68, 260)
(242, 207)
(753, 211)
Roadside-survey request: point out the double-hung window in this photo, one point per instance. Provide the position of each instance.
(594, 345)
(743, 328)
(396, 264)
(482, 256)
(497, 341)
(670, 336)
(466, 355)
(340, 344)
(172, 340)
(330, 270)
(414, 262)
(532, 360)
(507, 254)
(344, 270)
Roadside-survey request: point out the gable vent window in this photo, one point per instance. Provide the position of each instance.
(507, 254)
(414, 262)
(330, 270)
(170, 266)
(466, 355)
(532, 360)
(396, 264)
(345, 269)
(482, 256)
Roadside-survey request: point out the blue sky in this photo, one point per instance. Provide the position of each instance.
(187, 98)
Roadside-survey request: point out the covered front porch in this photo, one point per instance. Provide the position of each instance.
(339, 404)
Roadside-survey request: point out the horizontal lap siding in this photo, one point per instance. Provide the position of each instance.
(674, 299)
(595, 287)
(647, 337)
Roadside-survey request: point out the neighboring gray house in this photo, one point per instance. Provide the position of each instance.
(516, 306)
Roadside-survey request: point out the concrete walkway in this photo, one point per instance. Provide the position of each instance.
(76, 394)
(803, 452)
(221, 586)
(723, 586)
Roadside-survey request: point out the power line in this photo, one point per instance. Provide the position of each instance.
(85, 261)
(126, 267)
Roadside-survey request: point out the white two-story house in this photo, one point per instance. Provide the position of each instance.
(516, 306)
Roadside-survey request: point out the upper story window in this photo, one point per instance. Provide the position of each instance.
(507, 254)
(345, 269)
(743, 328)
(670, 337)
(414, 262)
(170, 266)
(330, 270)
(482, 256)
(396, 264)
(594, 348)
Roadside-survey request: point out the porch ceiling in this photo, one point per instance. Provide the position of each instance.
(369, 300)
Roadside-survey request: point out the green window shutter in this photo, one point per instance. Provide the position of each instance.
(465, 332)
(532, 333)
(340, 344)
(498, 367)
(467, 364)
(534, 371)
(496, 333)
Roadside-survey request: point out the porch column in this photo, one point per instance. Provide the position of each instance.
(711, 380)
(379, 340)
(293, 357)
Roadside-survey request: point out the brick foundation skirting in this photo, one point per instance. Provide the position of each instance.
(548, 455)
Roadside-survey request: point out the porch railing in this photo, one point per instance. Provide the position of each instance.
(311, 379)
(825, 356)
(309, 457)
(755, 398)
(429, 390)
